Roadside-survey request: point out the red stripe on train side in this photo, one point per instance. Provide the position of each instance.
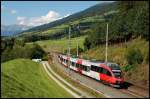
(79, 70)
(105, 77)
(79, 61)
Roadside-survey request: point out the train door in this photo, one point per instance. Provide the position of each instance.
(94, 72)
(105, 75)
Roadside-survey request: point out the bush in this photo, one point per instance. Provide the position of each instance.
(127, 67)
(37, 52)
(45, 58)
(134, 56)
(147, 57)
(22, 52)
(87, 43)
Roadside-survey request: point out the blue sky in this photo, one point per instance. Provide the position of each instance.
(39, 12)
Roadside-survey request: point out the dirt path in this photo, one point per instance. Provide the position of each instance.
(68, 90)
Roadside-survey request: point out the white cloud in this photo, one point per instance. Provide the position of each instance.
(36, 21)
(67, 15)
(49, 17)
(13, 11)
(21, 20)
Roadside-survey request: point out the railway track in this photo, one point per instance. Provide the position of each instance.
(107, 90)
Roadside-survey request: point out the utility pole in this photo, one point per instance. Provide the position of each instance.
(77, 49)
(106, 44)
(69, 50)
(69, 42)
(77, 44)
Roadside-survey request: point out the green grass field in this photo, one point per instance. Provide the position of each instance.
(61, 44)
(22, 78)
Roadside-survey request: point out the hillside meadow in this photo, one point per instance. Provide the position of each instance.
(23, 78)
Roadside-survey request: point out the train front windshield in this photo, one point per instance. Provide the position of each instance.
(114, 66)
(115, 69)
(117, 74)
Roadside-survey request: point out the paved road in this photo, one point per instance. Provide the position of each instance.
(109, 91)
(82, 94)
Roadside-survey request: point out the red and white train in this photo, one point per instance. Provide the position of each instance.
(109, 73)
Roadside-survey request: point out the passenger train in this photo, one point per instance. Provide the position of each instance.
(109, 73)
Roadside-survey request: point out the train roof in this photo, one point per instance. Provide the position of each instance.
(95, 62)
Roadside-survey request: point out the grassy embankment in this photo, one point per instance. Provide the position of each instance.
(22, 78)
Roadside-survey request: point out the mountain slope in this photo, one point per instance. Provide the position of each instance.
(92, 11)
(23, 78)
(9, 30)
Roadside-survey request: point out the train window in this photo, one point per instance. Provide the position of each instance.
(97, 68)
(108, 73)
(72, 63)
(100, 70)
(84, 67)
(77, 65)
(93, 68)
(67, 61)
(104, 71)
(64, 61)
(81, 66)
(114, 66)
(117, 74)
(88, 69)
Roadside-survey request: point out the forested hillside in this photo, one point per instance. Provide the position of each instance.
(131, 21)
(128, 41)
